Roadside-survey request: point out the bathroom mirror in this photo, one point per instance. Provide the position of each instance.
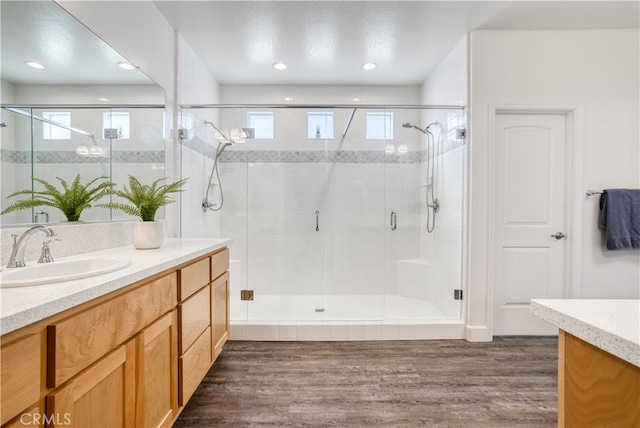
(79, 88)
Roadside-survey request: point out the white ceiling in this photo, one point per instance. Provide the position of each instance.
(44, 32)
(326, 42)
(323, 42)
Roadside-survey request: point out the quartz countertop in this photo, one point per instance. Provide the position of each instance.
(611, 325)
(22, 306)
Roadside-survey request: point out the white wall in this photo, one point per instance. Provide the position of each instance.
(196, 85)
(597, 69)
(88, 94)
(319, 94)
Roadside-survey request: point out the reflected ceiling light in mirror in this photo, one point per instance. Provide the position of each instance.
(369, 66)
(126, 66)
(35, 64)
(389, 149)
(96, 151)
(82, 150)
(403, 149)
(280, 66)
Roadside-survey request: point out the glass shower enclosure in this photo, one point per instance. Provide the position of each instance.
(327, 206)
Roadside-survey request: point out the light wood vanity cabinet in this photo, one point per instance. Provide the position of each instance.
(132, 358)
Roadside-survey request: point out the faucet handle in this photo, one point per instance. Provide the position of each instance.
(45, 255)
(15, 238)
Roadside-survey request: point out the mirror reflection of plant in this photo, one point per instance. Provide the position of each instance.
(71, 199)
(145, 199)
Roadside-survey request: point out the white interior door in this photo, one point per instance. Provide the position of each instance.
(529, 207)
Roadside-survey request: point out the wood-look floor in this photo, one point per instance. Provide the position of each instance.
(510, 382)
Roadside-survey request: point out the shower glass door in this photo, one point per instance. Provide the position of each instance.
(423, 244)
(287, 219)
(355, 219)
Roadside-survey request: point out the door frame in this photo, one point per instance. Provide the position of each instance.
(574, 121)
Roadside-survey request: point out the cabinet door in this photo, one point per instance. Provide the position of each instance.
(156, 367)
(220, 313)
(102, 396)
(20, 369)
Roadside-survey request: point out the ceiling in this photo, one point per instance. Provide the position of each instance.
(323, 42)
(44, 32)
(326, 42)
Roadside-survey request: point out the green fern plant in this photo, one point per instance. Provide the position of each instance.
(71, 199)
(145, 200)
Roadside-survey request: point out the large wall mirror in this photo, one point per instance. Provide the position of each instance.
(80, 114)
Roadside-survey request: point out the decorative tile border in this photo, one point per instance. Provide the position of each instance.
(315, 156)
(117, 156)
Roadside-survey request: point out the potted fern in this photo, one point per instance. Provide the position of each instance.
(144, 201)
(70, 199)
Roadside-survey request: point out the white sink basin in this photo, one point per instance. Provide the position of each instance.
(60, 270)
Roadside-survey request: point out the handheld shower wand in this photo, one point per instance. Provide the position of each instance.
(433, 204)
(223, 143)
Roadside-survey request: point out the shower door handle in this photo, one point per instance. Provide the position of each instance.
(317, 221)
(394, 224)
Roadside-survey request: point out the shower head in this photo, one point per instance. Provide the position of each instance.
(424, 131)
(411, 125)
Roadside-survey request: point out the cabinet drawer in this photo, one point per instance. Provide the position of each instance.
(219, 263)
(194, 315)
(76, 342)
(194, 365)
(192, 278)
(20, 375)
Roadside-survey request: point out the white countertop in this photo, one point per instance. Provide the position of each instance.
(22, 306)
(611, 325)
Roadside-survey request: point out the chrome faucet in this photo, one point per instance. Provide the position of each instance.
(20, 244)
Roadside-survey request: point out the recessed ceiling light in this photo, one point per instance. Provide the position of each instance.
(280, 66)
(288, 99)
(126, 66)
(369, 65)
(355, 100)
(34, 64)
(103, 100)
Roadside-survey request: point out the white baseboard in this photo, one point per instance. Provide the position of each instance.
(478, 333)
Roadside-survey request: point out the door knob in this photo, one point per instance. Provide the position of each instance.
(558, 235)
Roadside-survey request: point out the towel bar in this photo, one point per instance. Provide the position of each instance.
(593, 192)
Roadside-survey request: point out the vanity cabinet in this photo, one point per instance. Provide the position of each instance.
(131, 358)
(203, 319)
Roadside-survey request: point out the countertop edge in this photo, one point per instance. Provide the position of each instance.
(53, 307)
(596, 336)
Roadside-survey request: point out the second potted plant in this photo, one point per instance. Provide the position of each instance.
(144, 202)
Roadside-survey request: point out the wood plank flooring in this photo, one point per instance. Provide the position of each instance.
(511, 383)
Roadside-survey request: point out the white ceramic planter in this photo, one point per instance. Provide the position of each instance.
(148, 235)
